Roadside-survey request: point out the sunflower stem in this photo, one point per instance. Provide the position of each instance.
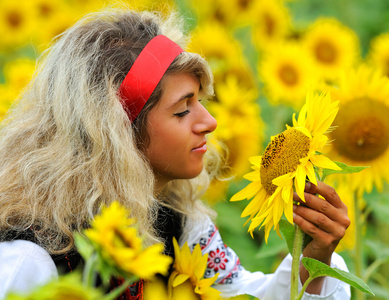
(358, 257)
(297, 250)
(89, 274)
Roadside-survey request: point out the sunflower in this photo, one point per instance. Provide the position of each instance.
(6, 99)
(17, 74)
(222, 51)
(220, 11)
(379, 53)
(238, 114)
(188, 271)
(362, 134)
(157, 289)
(332, 46)
(270, 23)
(240, 129)
(66, 287)
(287, 74)
(118, 243)
(54, 17)
(18, 20)
(285, 164)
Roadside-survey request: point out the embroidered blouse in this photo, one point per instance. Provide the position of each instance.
(24, 265)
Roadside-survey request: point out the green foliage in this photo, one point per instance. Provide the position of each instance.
(287, 231)
(319, 269)
(345, 169)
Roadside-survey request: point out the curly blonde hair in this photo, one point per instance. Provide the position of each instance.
(67, 146)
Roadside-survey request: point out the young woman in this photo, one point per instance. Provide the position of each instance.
(113, 113)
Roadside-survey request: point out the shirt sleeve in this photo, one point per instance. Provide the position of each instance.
(235, 280)
(24, 265)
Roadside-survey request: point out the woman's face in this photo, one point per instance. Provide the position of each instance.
(177, 126)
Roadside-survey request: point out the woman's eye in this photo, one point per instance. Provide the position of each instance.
(182, 114)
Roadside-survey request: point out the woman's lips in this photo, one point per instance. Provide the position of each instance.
(201, 148)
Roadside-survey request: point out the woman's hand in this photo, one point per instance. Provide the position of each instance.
(325, 221)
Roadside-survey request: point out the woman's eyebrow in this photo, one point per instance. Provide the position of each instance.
(186, 96)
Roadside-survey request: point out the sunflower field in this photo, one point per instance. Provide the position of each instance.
(265, 56)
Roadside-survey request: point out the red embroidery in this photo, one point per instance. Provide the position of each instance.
(70, 267)
(133, 292)
(217, 259)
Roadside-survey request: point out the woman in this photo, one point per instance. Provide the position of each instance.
(113, 113)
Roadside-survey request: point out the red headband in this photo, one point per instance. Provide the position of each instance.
(146, 73)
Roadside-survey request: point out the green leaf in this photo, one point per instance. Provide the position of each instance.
(318, 269)
(84, 247)
(287, 231)
(243, 297)
(345, 170)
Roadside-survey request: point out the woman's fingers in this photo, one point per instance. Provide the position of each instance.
(326, 191)
(325, 221)
(332, 206)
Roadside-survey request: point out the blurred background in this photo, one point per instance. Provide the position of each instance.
(265, 56)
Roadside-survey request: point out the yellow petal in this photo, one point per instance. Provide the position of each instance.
(284, 180)
(300, 182)
(255, 204)
(179, 279)
(253, 176)
(288, 211)
(322, 161)
(255, 160)
(311, 173)
(248, 192)
(287, 193)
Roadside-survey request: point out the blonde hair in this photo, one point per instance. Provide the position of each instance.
(68, 147)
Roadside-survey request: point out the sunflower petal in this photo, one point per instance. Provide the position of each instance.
(324, 162)
(311, 173)
(248, 192)
(300, 182)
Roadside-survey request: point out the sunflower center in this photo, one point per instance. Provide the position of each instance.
(325, 52)
(14, 19)
(120, 240)
(282, 156)
(269, 24)
(288, 75)
(45, 10)
(362, 131)
(244, 4)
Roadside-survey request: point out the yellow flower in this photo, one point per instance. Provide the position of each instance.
(18, 73)
(379, 53)
(240, 129)
(17, 23)
(54, 17)
(220, 11)
(270, 23)
(118, 242)
(157, 289)
(287, 74)
(287, 161)
(6, 99)
(189, 269)
(332, 46)
(64, 288)
(362, 134)
(223, 52)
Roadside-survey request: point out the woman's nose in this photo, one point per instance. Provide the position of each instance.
(206, 123)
